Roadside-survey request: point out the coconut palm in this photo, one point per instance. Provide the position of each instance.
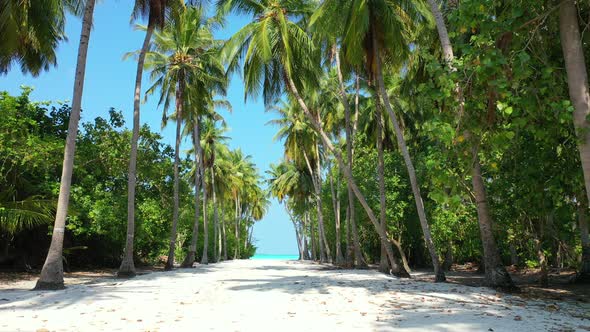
(278, 55)
(378, 32)
(303, 147)
(180, 71)
(52, 272)
(212, 140)
(203, 104)
(155, 12)
(291, 184)
(31, 32)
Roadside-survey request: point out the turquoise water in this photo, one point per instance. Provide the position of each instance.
(281, 257)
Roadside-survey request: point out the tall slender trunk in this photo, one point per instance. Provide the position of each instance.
(584, 273)
(236, 230)
(395, 266)
(383, 263)
(176, 209)
(312, 238)
(318, 199)
(441, 28)
(577, 79)
(127, 268)
(192, 249)
(354, 247)
(306, 255)
(52, 273)
(438, 271)
(495, 272)
(298, 233)
(323, 237)
(223, 235)
(336, 205)
(204, 256)
(215, 217)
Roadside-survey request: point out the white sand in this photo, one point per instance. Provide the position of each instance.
(267, 295)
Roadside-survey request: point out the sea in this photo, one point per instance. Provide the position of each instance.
(277, 257)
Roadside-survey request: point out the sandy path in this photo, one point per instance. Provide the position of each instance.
(277, 296)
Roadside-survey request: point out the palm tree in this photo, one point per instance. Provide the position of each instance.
(52, 273)
(374, 31)
(155, 12)
(496, 274)
(31, 31)
(291, 185)
(203, 104)
(180, 71)
(277, 51)
(211, 138)
(302, 146)
(577, 78)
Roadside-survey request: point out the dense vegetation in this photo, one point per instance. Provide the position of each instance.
(33, 136)
(416, 133)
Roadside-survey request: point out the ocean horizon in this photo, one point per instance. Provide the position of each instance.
(274, 256)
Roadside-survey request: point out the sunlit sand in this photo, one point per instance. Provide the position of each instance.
(272, 295)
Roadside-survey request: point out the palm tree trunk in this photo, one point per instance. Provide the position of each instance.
(312, 240)
(236, 230)
(127, 268)
(215, 217)
(496, 274)
(318, 199)
(355, 246)
(303, 230)
(192, 250)
(577, 79)
(383, 263)
(204, 257)
(336, 205)
(395, 266)
(318, 175)
(441, 28)
(223, 235)
(175, 212)
(438, 271)
(52, 273)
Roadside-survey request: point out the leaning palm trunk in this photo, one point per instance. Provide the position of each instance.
(500, 278)
(577, 79)
(395, 266)
(383, 264)
(176, 208)
(192, 249)
(127, 268)
(496, 274)
(354, 247)
(52, 273)
(438, 271)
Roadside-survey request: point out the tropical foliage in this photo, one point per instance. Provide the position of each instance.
(416, 133)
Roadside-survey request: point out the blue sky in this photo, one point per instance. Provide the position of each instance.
(109, 83)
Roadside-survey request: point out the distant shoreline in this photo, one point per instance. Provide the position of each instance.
(274, 256)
